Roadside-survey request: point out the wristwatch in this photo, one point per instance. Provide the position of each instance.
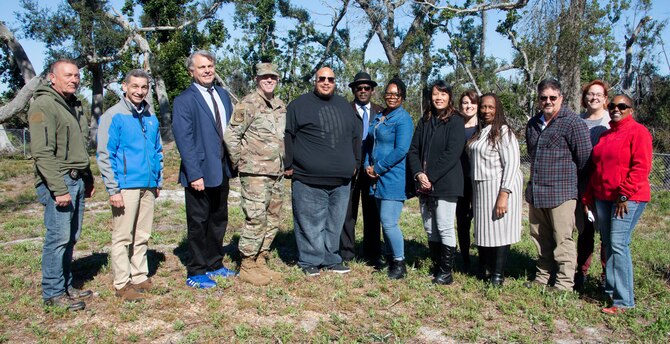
(622, 199)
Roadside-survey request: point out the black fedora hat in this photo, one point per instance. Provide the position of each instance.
(362, 78)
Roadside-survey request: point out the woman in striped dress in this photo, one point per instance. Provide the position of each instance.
(497, 187)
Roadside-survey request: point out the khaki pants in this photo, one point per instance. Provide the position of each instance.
(551, 229)
(131, 229)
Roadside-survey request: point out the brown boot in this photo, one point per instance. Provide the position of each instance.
(250, 273)
(261, 261)
(129, 294)
(144, 287)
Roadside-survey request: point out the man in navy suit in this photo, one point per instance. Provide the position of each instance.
(200, 116)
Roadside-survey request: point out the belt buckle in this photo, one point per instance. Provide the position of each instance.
(74, 173)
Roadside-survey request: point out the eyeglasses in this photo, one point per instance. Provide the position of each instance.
(331, 79)
(363, 88)
(594, 95)
(392, 95)
(620, 106)
(551, 98)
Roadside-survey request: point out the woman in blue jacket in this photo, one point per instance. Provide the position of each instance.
(386, 147)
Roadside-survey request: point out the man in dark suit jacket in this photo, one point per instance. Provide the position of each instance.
(363, 88)
(200, 116)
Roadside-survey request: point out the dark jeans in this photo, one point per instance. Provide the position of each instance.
(207, 219)
(464, 219)
(318, 216)
(371, 230)
(63, 226)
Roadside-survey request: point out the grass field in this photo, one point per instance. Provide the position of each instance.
(361, 306)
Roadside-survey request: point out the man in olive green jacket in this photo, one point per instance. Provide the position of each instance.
(58, 129)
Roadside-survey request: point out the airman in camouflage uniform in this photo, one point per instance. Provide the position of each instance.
(255, 141)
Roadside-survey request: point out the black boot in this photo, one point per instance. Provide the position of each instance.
(482, 262)
(444, 275)
(435, 248)
(499, 260)
(397, 269)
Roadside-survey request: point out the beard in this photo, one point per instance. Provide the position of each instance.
(324, 96)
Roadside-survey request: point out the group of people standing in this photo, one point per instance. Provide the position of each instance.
(462, 163)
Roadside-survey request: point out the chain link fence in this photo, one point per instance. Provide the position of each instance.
(15, 143)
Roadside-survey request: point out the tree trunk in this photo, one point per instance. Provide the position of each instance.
(165, 110)
(568, 53)
(96, 88)
(482, 44)
(20, 56)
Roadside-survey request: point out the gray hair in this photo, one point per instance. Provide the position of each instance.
(137, 73)
(549, 83)
(53, 66)
(202, 52)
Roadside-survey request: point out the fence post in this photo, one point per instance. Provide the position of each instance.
(24, 143)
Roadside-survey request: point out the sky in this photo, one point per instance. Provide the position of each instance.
(320, 13)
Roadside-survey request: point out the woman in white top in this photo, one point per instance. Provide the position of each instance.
(497, 187)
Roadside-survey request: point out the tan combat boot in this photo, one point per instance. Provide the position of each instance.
(250, 273)
(261, 261)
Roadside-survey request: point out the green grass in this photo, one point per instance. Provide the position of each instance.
(362, 306)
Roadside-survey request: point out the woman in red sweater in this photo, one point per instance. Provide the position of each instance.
(619, 189)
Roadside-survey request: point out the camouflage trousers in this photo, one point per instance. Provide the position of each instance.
(262, 198)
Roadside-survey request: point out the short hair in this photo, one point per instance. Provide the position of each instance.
(628, 98)
(201, 52)
(549, 83)
(137, 73)
(586, 87)
(401, 86)
(53, 66)
(471, 94)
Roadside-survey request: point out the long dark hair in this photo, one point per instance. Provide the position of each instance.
(430, 110)
(498, 121)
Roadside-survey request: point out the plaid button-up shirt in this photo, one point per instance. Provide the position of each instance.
(557, 153)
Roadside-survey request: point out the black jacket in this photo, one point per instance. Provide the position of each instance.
(436, 150)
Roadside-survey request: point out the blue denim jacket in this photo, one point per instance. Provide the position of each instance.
(386, 149)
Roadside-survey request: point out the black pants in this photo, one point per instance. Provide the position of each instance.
(207, 219)
(371, 225)
(464, 219)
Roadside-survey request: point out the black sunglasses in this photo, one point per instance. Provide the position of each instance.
(363, 88)
(552, 98)
(620, 106)
(330, 79)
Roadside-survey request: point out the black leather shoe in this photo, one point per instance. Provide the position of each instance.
(79, 294)
(63, 300)
(497, 280)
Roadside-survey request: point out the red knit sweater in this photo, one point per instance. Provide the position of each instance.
(622, 162)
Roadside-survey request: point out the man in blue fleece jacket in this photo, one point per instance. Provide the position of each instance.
(130, 159)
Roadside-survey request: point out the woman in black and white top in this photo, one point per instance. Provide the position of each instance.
(497, 187)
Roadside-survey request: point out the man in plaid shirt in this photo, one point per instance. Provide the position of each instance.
(559, 146)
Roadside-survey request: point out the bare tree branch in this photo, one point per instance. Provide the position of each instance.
(208, 13)
(19, 103)
(477, 8)
(329, 43)
(20, 56)
(628, 64)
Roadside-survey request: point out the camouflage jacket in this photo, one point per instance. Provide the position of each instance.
(255, 136)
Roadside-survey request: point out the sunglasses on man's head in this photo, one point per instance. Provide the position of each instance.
(620, 106)
(552, 98)
(363, 88)
(330, 79)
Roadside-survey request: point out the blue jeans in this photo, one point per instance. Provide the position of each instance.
(63, 226)
(318, 217)
(616, 236)
(438, 220)
(389, 214)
